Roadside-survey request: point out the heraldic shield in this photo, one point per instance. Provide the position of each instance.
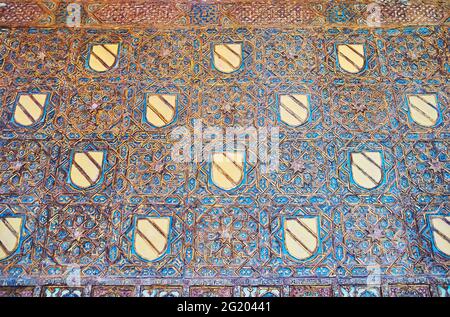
(151, 237)
(227, 58)
(228, 169)
(86, 169)
(10, 234)
(30, 108)
(103, 57)
(366, 169)
(423, 109)
(301, 237)
(440, 227)
(160, 110)
(351, 57)
(294, 109)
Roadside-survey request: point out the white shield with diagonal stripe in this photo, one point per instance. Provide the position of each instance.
(301, 236)
(440, 226)
(227, 169)
(86, 168)
(366, 168)
(351, 57)
(10, 234)
(151, 237)
(30, 108)
(227, 58)
(423, 109)
(294, 109)
(103, 57)
(160, 109)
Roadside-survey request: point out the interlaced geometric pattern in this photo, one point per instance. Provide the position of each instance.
(94, 200)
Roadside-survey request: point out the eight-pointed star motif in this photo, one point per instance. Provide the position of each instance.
(298, 166)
